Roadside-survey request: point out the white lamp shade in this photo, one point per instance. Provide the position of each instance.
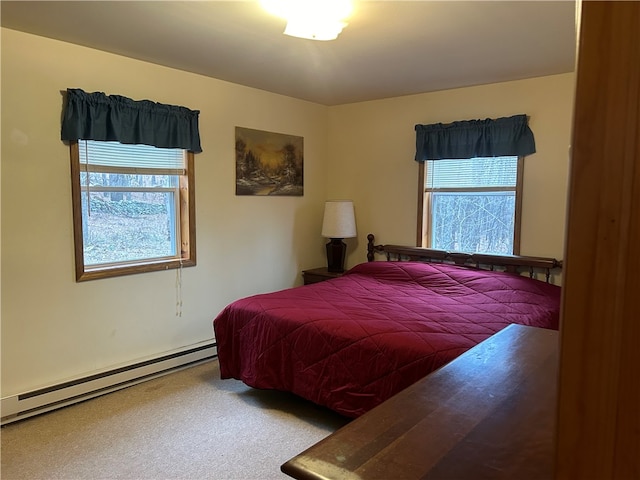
(339, 219)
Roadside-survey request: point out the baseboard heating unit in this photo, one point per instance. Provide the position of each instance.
(24, 405)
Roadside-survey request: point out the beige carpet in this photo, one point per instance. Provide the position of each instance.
(186, 425)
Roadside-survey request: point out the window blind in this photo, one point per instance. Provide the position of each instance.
(496, 172)
(104, 156)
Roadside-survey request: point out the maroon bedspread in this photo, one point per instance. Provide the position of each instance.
(352, 342)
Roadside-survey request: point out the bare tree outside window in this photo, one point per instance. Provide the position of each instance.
(472, 205)
(133, 208)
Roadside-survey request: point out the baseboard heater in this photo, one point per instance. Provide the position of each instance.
(24, 405)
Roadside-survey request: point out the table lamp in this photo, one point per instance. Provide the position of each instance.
(339, 222)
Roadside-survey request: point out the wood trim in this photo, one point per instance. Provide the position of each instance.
(187, 228)
(424, 205)
(188, 213)
(421, 205)
(119, 271)
(517, 221)
(76, 193)
(598, 428)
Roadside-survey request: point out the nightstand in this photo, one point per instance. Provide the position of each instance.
(316, 275)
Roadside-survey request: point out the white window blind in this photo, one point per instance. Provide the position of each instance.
(492, 172)
(115, 156)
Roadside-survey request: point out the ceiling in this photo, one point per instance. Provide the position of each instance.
(389, 49)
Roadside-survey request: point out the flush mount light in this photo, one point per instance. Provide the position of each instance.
(311, 19)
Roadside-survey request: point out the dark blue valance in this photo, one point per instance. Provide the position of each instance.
(96, 116)
(505, 136)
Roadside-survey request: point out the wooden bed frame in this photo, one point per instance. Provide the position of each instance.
(468, 419)
(519, 264)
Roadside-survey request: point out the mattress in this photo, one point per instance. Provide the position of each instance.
(350, 343)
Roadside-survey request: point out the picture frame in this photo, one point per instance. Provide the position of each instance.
(268, 163)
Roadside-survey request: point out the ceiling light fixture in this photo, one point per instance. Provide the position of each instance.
(311, 19)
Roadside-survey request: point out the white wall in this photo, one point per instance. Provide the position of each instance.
(372, 149)
(54, 328)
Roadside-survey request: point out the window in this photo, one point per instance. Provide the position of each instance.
(471, 205)
(133, 208)
(132, 183)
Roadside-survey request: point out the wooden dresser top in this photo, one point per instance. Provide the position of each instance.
(489, 414)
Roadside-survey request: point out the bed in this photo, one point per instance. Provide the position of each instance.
(352, 342)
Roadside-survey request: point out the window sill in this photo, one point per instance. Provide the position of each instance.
(118, 270)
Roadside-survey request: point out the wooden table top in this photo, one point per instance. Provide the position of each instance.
(489, 414)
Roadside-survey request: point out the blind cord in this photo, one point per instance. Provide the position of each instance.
(179, 290)
(87, 183)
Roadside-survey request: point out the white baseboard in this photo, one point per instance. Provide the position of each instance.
(28, 404)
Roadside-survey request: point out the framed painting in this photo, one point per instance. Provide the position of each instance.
(268, 163)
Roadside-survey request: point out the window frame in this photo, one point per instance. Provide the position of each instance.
(185, 217)
(423, 237)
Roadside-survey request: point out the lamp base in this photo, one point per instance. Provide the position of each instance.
(336, 252)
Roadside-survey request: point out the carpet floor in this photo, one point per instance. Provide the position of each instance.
(185, 425)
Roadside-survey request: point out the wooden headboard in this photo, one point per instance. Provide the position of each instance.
(506, 263)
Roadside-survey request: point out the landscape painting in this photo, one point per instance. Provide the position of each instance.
(268, 163)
